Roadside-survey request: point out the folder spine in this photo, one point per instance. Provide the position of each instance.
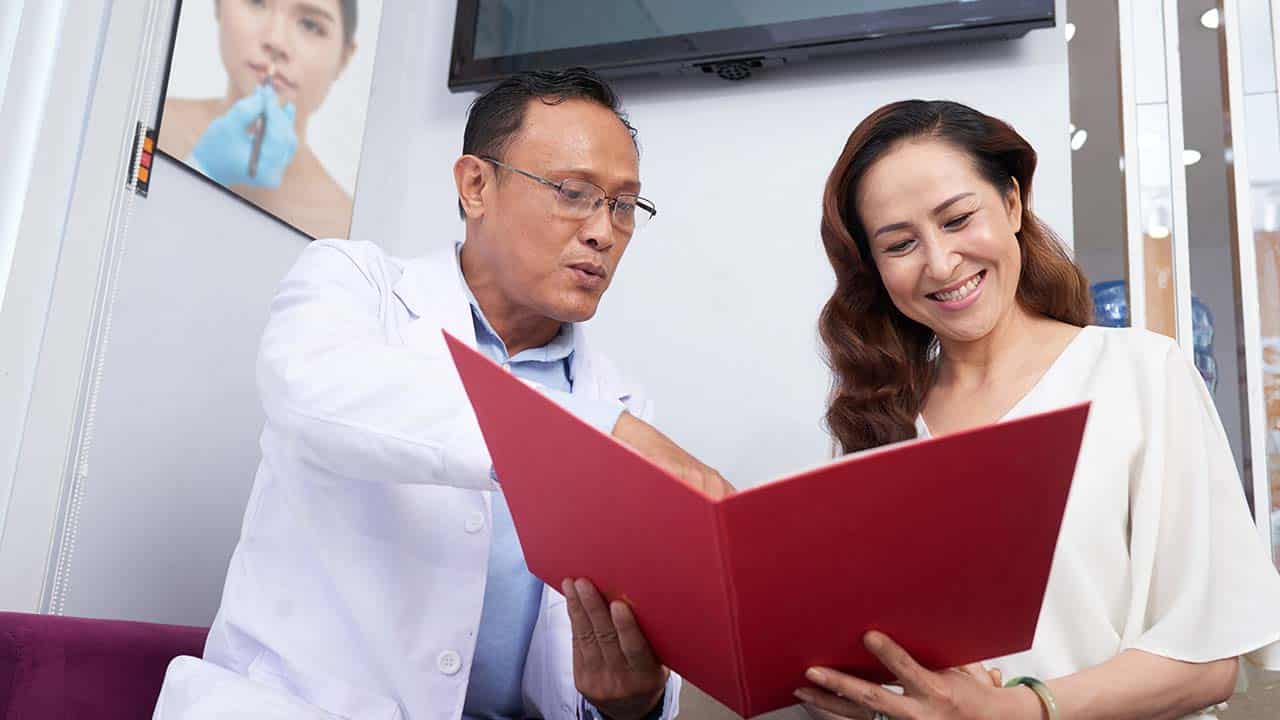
(731, 597)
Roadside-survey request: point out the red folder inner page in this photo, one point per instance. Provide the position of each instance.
(585, 505)
(945, 545)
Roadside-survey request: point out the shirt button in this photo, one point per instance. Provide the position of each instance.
(449, 662)
(474, 523)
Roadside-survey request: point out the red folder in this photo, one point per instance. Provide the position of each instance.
(944, 544)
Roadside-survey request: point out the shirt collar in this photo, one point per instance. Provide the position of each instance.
(560, 348)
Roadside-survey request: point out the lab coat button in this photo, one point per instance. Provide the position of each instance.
(449, 662)
(475, 523)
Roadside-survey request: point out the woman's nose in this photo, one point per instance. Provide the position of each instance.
(941, 258)
(274, 36)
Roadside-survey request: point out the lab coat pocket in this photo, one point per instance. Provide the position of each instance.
(325, 692)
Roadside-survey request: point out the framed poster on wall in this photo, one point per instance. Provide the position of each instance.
(268, 98)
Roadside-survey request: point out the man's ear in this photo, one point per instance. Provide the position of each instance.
(1013, 205)
(471, 176)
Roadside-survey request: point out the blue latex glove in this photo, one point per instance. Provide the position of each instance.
(223, 151)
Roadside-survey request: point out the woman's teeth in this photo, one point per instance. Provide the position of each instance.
(961, 292)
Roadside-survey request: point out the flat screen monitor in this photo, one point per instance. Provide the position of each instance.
(497, 38)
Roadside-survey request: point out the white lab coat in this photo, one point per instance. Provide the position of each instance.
(356, 588)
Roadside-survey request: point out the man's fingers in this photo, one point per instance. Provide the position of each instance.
(586, 652)
(634, 645)
(704, 479)
(714, 484)
(606, 635)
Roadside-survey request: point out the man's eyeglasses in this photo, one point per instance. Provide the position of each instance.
(578, 200)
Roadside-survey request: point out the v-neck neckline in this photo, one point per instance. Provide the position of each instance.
(1033, 390)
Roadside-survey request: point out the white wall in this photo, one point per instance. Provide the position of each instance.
(714, 308)
(715, 305)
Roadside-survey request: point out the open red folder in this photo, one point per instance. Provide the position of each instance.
(944, 544)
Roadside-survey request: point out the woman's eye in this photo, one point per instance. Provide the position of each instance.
(312, 27)
(958, 222)
(900, 246)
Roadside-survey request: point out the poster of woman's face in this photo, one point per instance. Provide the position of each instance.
(268, 98)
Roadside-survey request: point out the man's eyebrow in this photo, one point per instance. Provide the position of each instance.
(631, 186)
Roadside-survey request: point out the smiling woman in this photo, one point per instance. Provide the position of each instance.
(956, 307)
(266, 68)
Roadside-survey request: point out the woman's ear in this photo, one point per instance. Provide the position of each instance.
(347, 53)
(1013, 205)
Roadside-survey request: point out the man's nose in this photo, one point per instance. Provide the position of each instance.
(597, 229)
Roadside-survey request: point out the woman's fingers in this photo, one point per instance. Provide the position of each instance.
(979, 672)
(825, 706)
(859, 692)
(914, 678)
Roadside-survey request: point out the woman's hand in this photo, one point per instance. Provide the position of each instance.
(225, 149)
(963, 693)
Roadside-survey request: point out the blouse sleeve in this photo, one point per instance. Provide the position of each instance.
(1203, 586)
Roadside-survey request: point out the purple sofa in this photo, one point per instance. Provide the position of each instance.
(63, 668)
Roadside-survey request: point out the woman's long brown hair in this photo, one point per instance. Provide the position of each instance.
(883, 361)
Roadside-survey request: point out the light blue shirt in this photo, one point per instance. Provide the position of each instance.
(512, 595)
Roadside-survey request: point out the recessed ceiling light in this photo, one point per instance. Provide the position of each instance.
(1078, 139)
(1070, 30)
(1190, 157)
(1211, 19)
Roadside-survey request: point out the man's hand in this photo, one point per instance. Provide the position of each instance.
(670, 457)
(613, 666)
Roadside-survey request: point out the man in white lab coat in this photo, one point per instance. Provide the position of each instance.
(378, 574)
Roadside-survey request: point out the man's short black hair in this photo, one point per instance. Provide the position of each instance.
(497, 115)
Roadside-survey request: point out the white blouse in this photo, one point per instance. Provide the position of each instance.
(1157, 550)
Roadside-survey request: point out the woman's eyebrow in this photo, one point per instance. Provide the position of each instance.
(891, 228)
(951, 201)
(311, 9)
(936, 211)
